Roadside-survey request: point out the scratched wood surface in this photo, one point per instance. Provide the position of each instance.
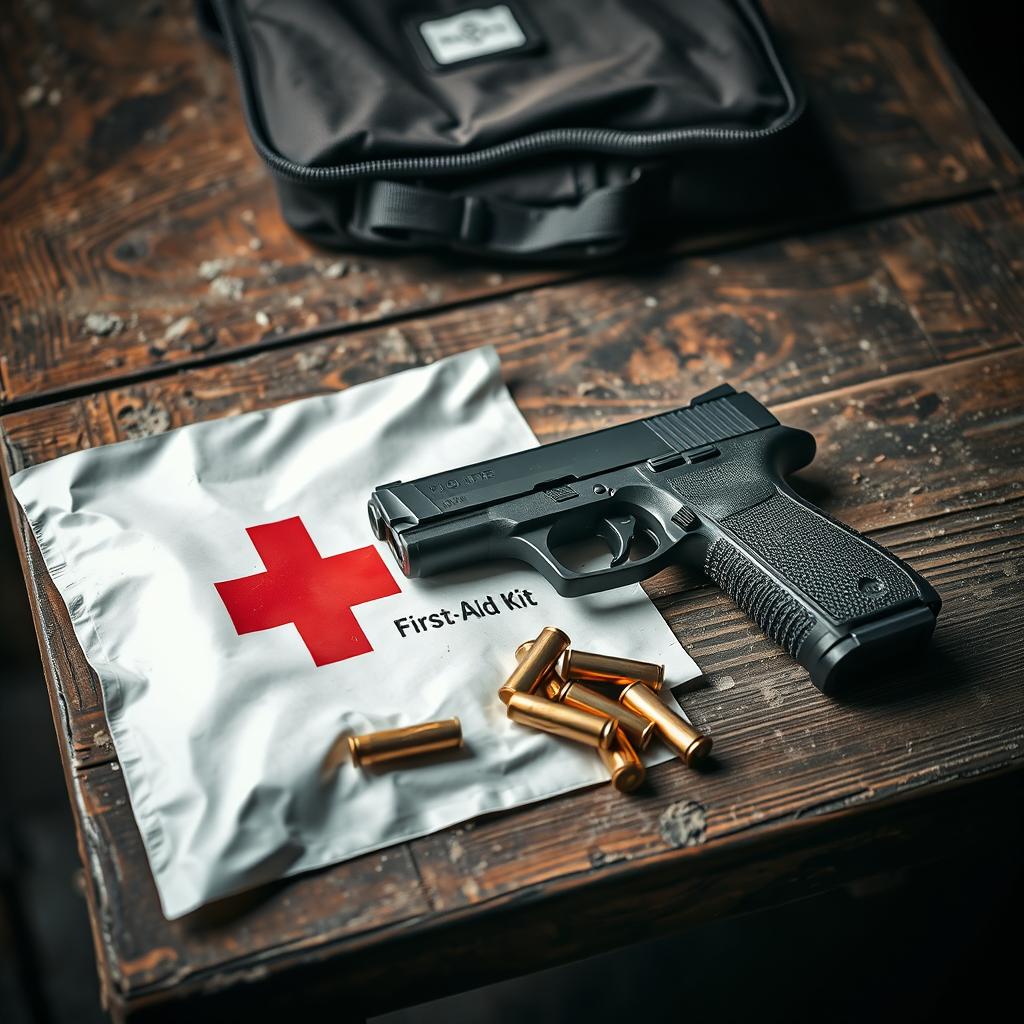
(898, 343)
(141, 232)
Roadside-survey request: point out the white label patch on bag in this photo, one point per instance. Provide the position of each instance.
(471, 34)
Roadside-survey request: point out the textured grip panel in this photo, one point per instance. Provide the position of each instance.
(775, 611)
(839, 570)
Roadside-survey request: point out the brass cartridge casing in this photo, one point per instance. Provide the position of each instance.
(409, 741)
(524, 648)
(690, 744)
(626, 769)
(570, 723)
(639, 729)
(554, 681)
(585, 667)
(532, 670)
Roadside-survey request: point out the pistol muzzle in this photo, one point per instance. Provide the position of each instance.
(377, 523)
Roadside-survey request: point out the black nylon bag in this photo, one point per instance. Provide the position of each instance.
(527, 128)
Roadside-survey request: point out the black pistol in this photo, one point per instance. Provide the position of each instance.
(703, 486)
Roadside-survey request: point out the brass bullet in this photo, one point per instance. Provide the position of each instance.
(532, 670)
(626, 769)
(570, 723)
(676, 732)
(409, 741)
(586, 667)
(636, 727)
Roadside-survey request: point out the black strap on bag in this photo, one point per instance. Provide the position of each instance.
(447, 163)
(400, 214)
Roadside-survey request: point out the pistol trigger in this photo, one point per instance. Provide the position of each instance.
(619, 533)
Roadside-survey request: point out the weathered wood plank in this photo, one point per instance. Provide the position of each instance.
(787, 319)
(585, 914)
(143, 232)
(143, 229)
(773, 319)
(915, 131)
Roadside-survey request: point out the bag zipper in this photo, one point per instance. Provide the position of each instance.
(608, 141)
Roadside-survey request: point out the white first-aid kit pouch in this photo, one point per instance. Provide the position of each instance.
(225, 585)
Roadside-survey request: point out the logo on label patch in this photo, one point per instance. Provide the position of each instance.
(303, 588)
(472, 34)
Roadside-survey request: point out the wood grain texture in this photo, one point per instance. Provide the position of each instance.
(948, 496)
(142, 231)
(776, 318)
(591, 912)
(786, 318)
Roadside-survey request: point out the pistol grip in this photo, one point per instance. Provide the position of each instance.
(831, 598)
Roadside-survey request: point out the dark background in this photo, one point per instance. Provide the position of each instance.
(937, 942)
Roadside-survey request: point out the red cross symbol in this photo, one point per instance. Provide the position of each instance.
(313, 593)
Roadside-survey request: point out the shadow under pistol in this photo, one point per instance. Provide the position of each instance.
(702, 486)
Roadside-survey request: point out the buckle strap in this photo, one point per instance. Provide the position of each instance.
(404, 215)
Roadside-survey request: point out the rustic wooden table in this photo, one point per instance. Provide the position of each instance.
(148, 282)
